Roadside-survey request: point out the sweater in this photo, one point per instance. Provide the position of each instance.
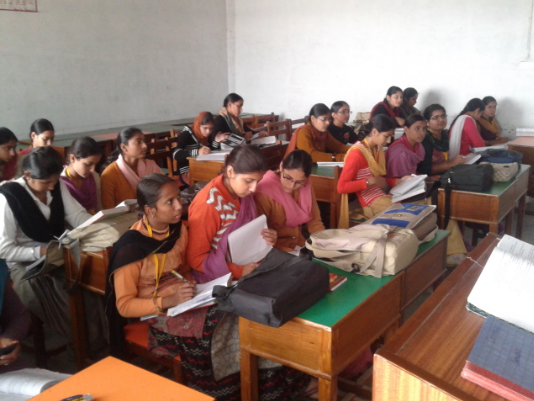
(320, 151)
(188, 146)
(343, 134)
(115, 187)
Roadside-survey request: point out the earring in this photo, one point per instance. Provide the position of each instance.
(152, 214)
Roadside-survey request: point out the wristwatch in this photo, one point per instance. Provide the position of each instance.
(333, 157)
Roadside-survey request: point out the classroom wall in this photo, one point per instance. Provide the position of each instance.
(90, 64)
(287, 55)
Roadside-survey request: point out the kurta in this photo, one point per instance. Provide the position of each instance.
(115, 187)
(320, 151)
(470, 137)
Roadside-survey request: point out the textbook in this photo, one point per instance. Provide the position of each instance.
(216, 155)
(472, 158)
(246, 244)
(524, 131)
(504, 288)
(502, 360)
(124, 207)
(336, 280)
(330, 164)
(203, 297)
(27, 383)
(233, 140)
(414, 185)
(483, 148)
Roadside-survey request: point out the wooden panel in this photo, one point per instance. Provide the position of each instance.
(470, 206)
(204, 170)
(94, 267)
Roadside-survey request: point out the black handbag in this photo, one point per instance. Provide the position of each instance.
(280, 288)
(465, 177)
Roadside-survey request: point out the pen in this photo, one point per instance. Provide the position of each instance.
(79, 397)
(180, 276)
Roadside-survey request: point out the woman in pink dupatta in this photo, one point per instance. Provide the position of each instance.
(405, 154)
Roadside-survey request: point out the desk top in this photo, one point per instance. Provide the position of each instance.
(115, 380)
(527, 141)
(336, 304)
(323, 171)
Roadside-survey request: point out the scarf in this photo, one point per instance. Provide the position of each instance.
(455, 135)
(401, 163)
(144, 168)
(377, 165)
(4, 274)
(214, 265)
(86, 195)
(319, 136)
(490, 125)
(196, 129)
(432, 144)
(297, 213)
(391, 112)
(235, 123)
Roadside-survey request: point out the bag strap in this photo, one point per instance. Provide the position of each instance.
(448, 190)
(378, 255)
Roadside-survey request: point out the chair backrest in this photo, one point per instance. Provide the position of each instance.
(158, 146)
(297, 123)
(259, 121)
(273, 156)
(160, 136)
(164, 160)
(277, 128)
(203, 170)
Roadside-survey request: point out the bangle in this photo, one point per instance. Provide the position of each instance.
(155, 300)
(333, 157)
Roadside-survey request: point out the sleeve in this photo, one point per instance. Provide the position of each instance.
(220, 125)
(182, 153)
(108, 188)
(15, 319)
(9, 248)
(306, 142)
(333, 145)
(263, 206)
(473, 136)
(347, 182)
(75, 214)
(315, 224)
(380, 109)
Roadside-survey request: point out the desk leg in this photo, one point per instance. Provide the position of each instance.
(79, 336)
(508, 220)
(249, 376)
(520, 216)
(328, 389)
(494, 228)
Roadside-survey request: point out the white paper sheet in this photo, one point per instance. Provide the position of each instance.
(246, 243)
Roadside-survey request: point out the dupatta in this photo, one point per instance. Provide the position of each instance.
(391, 112)
(144, 168)
(235, 123)
(455, 135)
(86, 195)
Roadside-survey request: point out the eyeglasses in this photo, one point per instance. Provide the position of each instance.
(440, 117)
(292, 181)
(324, 120)
(345, 111)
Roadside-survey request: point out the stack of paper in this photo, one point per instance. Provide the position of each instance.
(330, 164)
(218, 155)
(246, 244)
(524, 131)
(266, 140)
(471, 158)
(414, 185)
(482, 149)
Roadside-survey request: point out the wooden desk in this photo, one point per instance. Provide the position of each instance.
(324, 182)
(492, 206)
(424, 359)
(525, 146)
(114, 380)
(328, 336)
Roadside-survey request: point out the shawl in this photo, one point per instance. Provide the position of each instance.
(377, 165)
(235, 123)
(10, 168)
(319, 136)
(86, 195)
(196, 129)
(455, 135)
(391, 112)
(144, 168)
(432, 144)
(214, 265)
(489, 129)
(402, 159)
(4, 274)
(297, 213)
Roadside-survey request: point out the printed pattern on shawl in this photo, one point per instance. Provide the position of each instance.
(227, 212)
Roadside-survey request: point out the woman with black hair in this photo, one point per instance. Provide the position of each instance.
(315, 139)
(80, 176)
(41, 134)
(8, 154)
(405, 154)
(125, 168)
(409, 99)
(229, 121)
(34, 209)
(338, 128)
(487, 124)
(390, 106)
(288, 201)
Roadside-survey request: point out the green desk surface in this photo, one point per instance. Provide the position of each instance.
(323, 171)
(336, 304)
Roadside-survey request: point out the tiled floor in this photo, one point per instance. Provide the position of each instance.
(64, 362)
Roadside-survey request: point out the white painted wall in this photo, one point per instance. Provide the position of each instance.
(90, 64)
(287, 55)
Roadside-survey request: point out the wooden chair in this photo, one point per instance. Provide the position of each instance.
(203, 170)
(160, 136)
(297, 123)
(273, 156)
(163, 159)
(277, 128)
(258, 121)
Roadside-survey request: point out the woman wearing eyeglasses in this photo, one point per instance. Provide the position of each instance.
(315, 139)
(288, 201)
(338, 128)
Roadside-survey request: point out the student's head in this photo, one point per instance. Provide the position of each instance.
(415, 128)
(436, 117)
(83, 156)
(41, 168)
(295, 170)
(243, 169)
(234, 104)
(340, 112)
(409, 97)
(491, 107)
(158, 197)
(394, 96)
(42, 133)
(8, 144)
(380, 130)
(203, 124)
(474, 108)
(320, 117)
(130, 143)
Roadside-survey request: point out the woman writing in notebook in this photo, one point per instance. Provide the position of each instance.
(288, 201)
(338, 128)
(80, 176)
(126, 166)
(315, 139)
(404, 155)
(41, 134)
(8, 154)
(229, 121)
(390, 106)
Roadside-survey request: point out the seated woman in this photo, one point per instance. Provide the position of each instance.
(198, 140)
(288, 201)
(228, 121)
(34, 209)
(487, 124)
(80, 176)
(315, 139)
(126, 166)
(222, 206)
(409, 99)
(436, 143)
(338, 128)
(464, 134)
(365, 168)
(41, 134)
(8, 154)
(403, 156)
(390, 106)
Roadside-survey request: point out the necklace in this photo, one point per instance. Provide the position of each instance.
(159, 271)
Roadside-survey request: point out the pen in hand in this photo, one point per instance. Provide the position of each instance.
(180, 276)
